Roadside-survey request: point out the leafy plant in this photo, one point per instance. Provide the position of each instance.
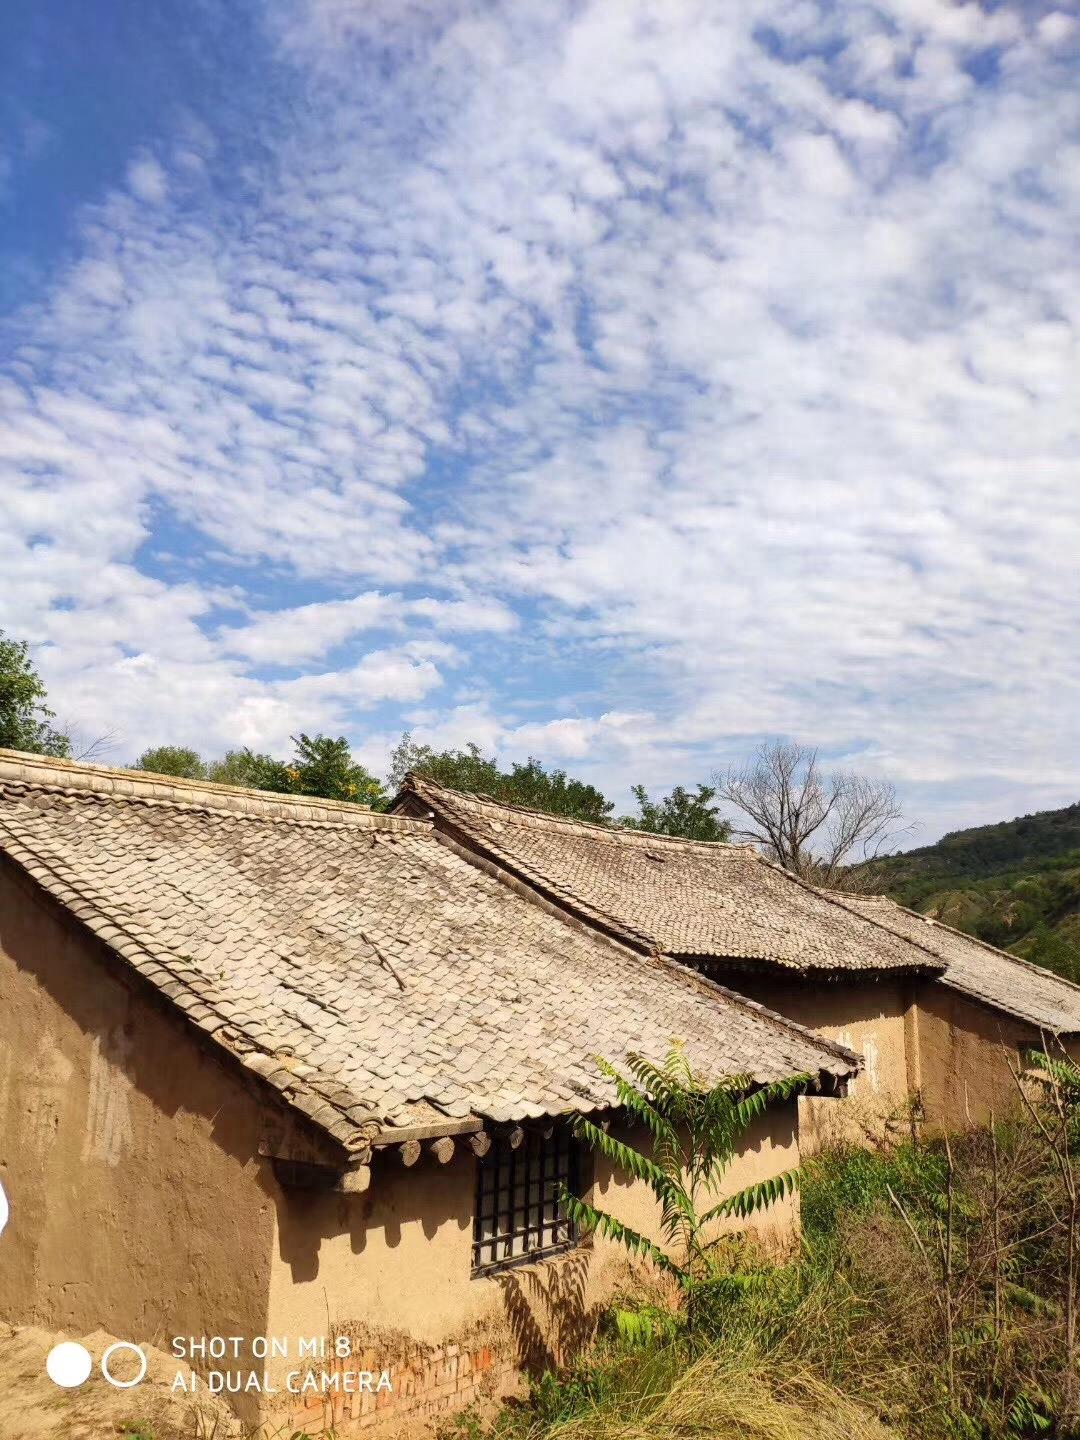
(691, 815)
(251, 769)
(178, 760)
(1025, 1418)
(529, 784)
(696, 1130)
(325, 767)
(321, 766)
(644, 1326)
(25, 718)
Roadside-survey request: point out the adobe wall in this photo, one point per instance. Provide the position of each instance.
(770, 1147)
(916, 1037)
(392, 1269)
(966, 1055)
(127, 1153)
(870, 1015)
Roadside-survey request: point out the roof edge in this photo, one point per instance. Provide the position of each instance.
(21, 767)
(430, 792)
(561, 824)
(522, 885)
(534, 886)
(932, 920)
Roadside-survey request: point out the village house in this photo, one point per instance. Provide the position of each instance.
(940, 1020)
(270, 1065)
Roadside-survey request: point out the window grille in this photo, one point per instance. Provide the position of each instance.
(518, 1217)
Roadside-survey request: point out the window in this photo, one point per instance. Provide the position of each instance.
(518, 1217)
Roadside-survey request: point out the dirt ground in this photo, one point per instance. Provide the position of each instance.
(33, 1408)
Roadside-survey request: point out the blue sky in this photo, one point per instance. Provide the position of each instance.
(620, 383)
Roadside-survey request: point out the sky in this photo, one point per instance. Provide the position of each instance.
(622, 382)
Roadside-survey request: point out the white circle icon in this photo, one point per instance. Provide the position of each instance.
(69, 1364)
(113, 1348)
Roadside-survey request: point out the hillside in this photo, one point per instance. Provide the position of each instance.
(1015, 884)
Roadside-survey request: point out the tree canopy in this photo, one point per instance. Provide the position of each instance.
(321, 766)
(529, 784)
(689, 814)
(25, 718)
(173, 760)
(252, 769)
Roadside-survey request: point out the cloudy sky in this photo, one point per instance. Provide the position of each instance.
(618, 381)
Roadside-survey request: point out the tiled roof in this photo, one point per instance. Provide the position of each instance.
(358, 963)
(692, 899)
(993, 976)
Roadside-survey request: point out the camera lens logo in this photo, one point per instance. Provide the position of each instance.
(69, 1365)
(116, 1348)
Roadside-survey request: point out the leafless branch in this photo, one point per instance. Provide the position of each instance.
(816, 825)
(100, 745)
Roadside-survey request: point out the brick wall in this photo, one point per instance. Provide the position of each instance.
(427, 1383)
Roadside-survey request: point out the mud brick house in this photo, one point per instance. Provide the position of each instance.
(980, 1017)
(939, 1018)
(271, 1064)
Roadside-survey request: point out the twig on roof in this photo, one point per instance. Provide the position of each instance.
(382, 959)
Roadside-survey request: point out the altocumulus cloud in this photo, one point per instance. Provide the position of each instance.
(706, 371)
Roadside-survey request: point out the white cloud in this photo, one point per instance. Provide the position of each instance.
(716, 363)
(308, 632)
(148, 180)
(1056, 27)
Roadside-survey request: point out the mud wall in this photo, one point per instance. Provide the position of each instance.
(392, 1269)
(128, 1154)
(873, 1017)
(967, 1053)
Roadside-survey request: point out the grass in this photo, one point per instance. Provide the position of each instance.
(878, 1328)
(718, 1396)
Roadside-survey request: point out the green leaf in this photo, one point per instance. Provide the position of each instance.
(755, 1197)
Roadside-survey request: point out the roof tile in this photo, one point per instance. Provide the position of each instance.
(980, 970)
(693, 899)
(425, 986)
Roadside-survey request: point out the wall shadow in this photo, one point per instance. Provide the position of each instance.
(548, 1310)
(434, 1197)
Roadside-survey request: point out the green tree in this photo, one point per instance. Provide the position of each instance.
(529, 784)
(697, 1130)
(1053, 950)
(325, 767)
(176, 760)
(320, 766)
(251, 769)
(25, 718)
(690, 815)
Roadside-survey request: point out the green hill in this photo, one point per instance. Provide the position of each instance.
(1015, 884)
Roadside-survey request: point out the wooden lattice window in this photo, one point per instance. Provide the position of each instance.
(518, 1217)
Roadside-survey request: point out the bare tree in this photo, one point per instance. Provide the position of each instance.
(88, 747)
(818, 826)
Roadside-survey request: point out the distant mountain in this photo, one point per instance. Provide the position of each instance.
(1015, 884)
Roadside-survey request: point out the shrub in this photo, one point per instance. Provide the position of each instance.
(696, 1130)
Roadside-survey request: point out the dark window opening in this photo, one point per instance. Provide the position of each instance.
(518, 1217)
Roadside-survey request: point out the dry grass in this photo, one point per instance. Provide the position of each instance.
(718, 1398)
(908, 1314)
